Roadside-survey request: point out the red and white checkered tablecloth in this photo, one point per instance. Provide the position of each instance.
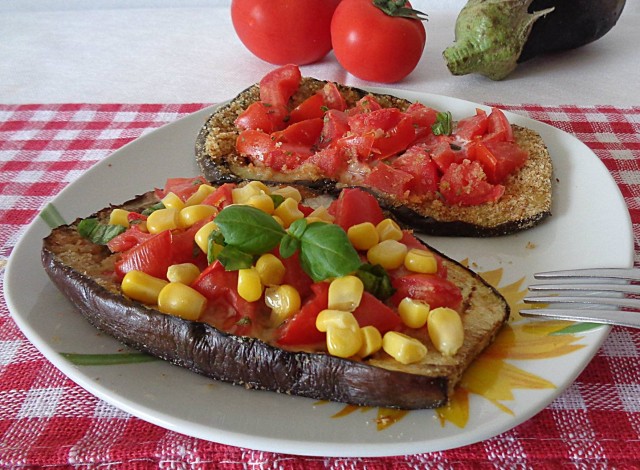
(48, 421)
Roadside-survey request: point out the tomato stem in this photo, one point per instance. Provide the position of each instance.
(397, 8)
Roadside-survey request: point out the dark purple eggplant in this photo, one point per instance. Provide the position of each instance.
(80, 270)
(493, 36)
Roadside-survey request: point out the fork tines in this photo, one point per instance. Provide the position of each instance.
(597, 300)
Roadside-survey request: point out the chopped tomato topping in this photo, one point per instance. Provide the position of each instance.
(355, 206)
(430, 288)
(389, 180)
(466, 184)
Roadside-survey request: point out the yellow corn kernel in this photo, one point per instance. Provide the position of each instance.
(142, 287)
(413, 312)
(320, 214)
(403, 348)
(270, 269)
(249, 285)
(420, 261)
(388, 253)
(242, 194)
(202, 235)
(200, 195)
(185, 273)
(371, 341)
(336, 319)
(283, 300)
(389, 230)
(163, 219)
(343, 342)
(192, 214)
(172, 200)
(119, 217)
(288, 211)
(182, 301)
(445, 330)
(363, 236)
(288, 192)
(263, 201)
(345, 293)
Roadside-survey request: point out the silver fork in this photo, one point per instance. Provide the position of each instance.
(592, 295)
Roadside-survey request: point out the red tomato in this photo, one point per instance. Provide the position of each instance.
(465, 184)
(328, 98)
(256, 116)
(181, 187)
(417, 162)
(335, 126)
(374, 46)
(372, 311)
(220, 287)
(128, 239)
(423, 119)
(499, 159)
(305, 132)
(330, 160)
(392, 129)
(221, 197)
(301, 328)
(263, 150)
(498, 127)
(355, 206)
(152, 256)
(430, 288)
(389, 180)
(284, 31)
(472, 126)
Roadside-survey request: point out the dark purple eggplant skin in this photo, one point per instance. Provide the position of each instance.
(241, 360)
(572, 24)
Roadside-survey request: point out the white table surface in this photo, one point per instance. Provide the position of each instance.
(163, 51)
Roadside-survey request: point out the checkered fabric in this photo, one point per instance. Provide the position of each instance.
(48, 421)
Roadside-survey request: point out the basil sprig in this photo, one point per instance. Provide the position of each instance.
(325, 250)
(443, 124)
(98, 233)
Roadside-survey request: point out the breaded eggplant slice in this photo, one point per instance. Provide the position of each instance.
(525, 203)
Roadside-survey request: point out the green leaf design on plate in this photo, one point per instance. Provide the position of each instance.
(108, 359)
(577, 328)
(51, 216)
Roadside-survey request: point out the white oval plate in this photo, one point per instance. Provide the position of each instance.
(590, 227)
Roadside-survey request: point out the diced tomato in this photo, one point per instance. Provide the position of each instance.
(335, 126)
(430, 288)
(417, 162)
(443, 156)
(184, 248)
(423, 118)
(181, 187)
(330, 160)
(471, 127)
(499, 159)
(221, 197)
(301, 328)
(263, 150)
(355, 206)
(128, 239)
(279, 85)
(220, 287)
(374, 312)
(356, 146)
(366, 104)
(306, 133)
(312, 107)
(498, 127)
(257, 116)
(333, 99)
(393, 130)
(389, 180)
(152, 256)
(466, 184)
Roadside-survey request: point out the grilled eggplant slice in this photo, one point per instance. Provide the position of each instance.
(83, 272)
(525, 203)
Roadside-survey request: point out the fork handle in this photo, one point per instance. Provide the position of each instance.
(601, 273)
(608, 317)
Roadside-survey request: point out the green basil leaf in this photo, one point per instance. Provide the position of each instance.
(288, 246)
(376, 280)
(297, 228)
(249, 229)
(325, 251)
(215, 238)
(233, 258)
(150, 210)
(277, 200)
(98, 233)
(443, 124)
